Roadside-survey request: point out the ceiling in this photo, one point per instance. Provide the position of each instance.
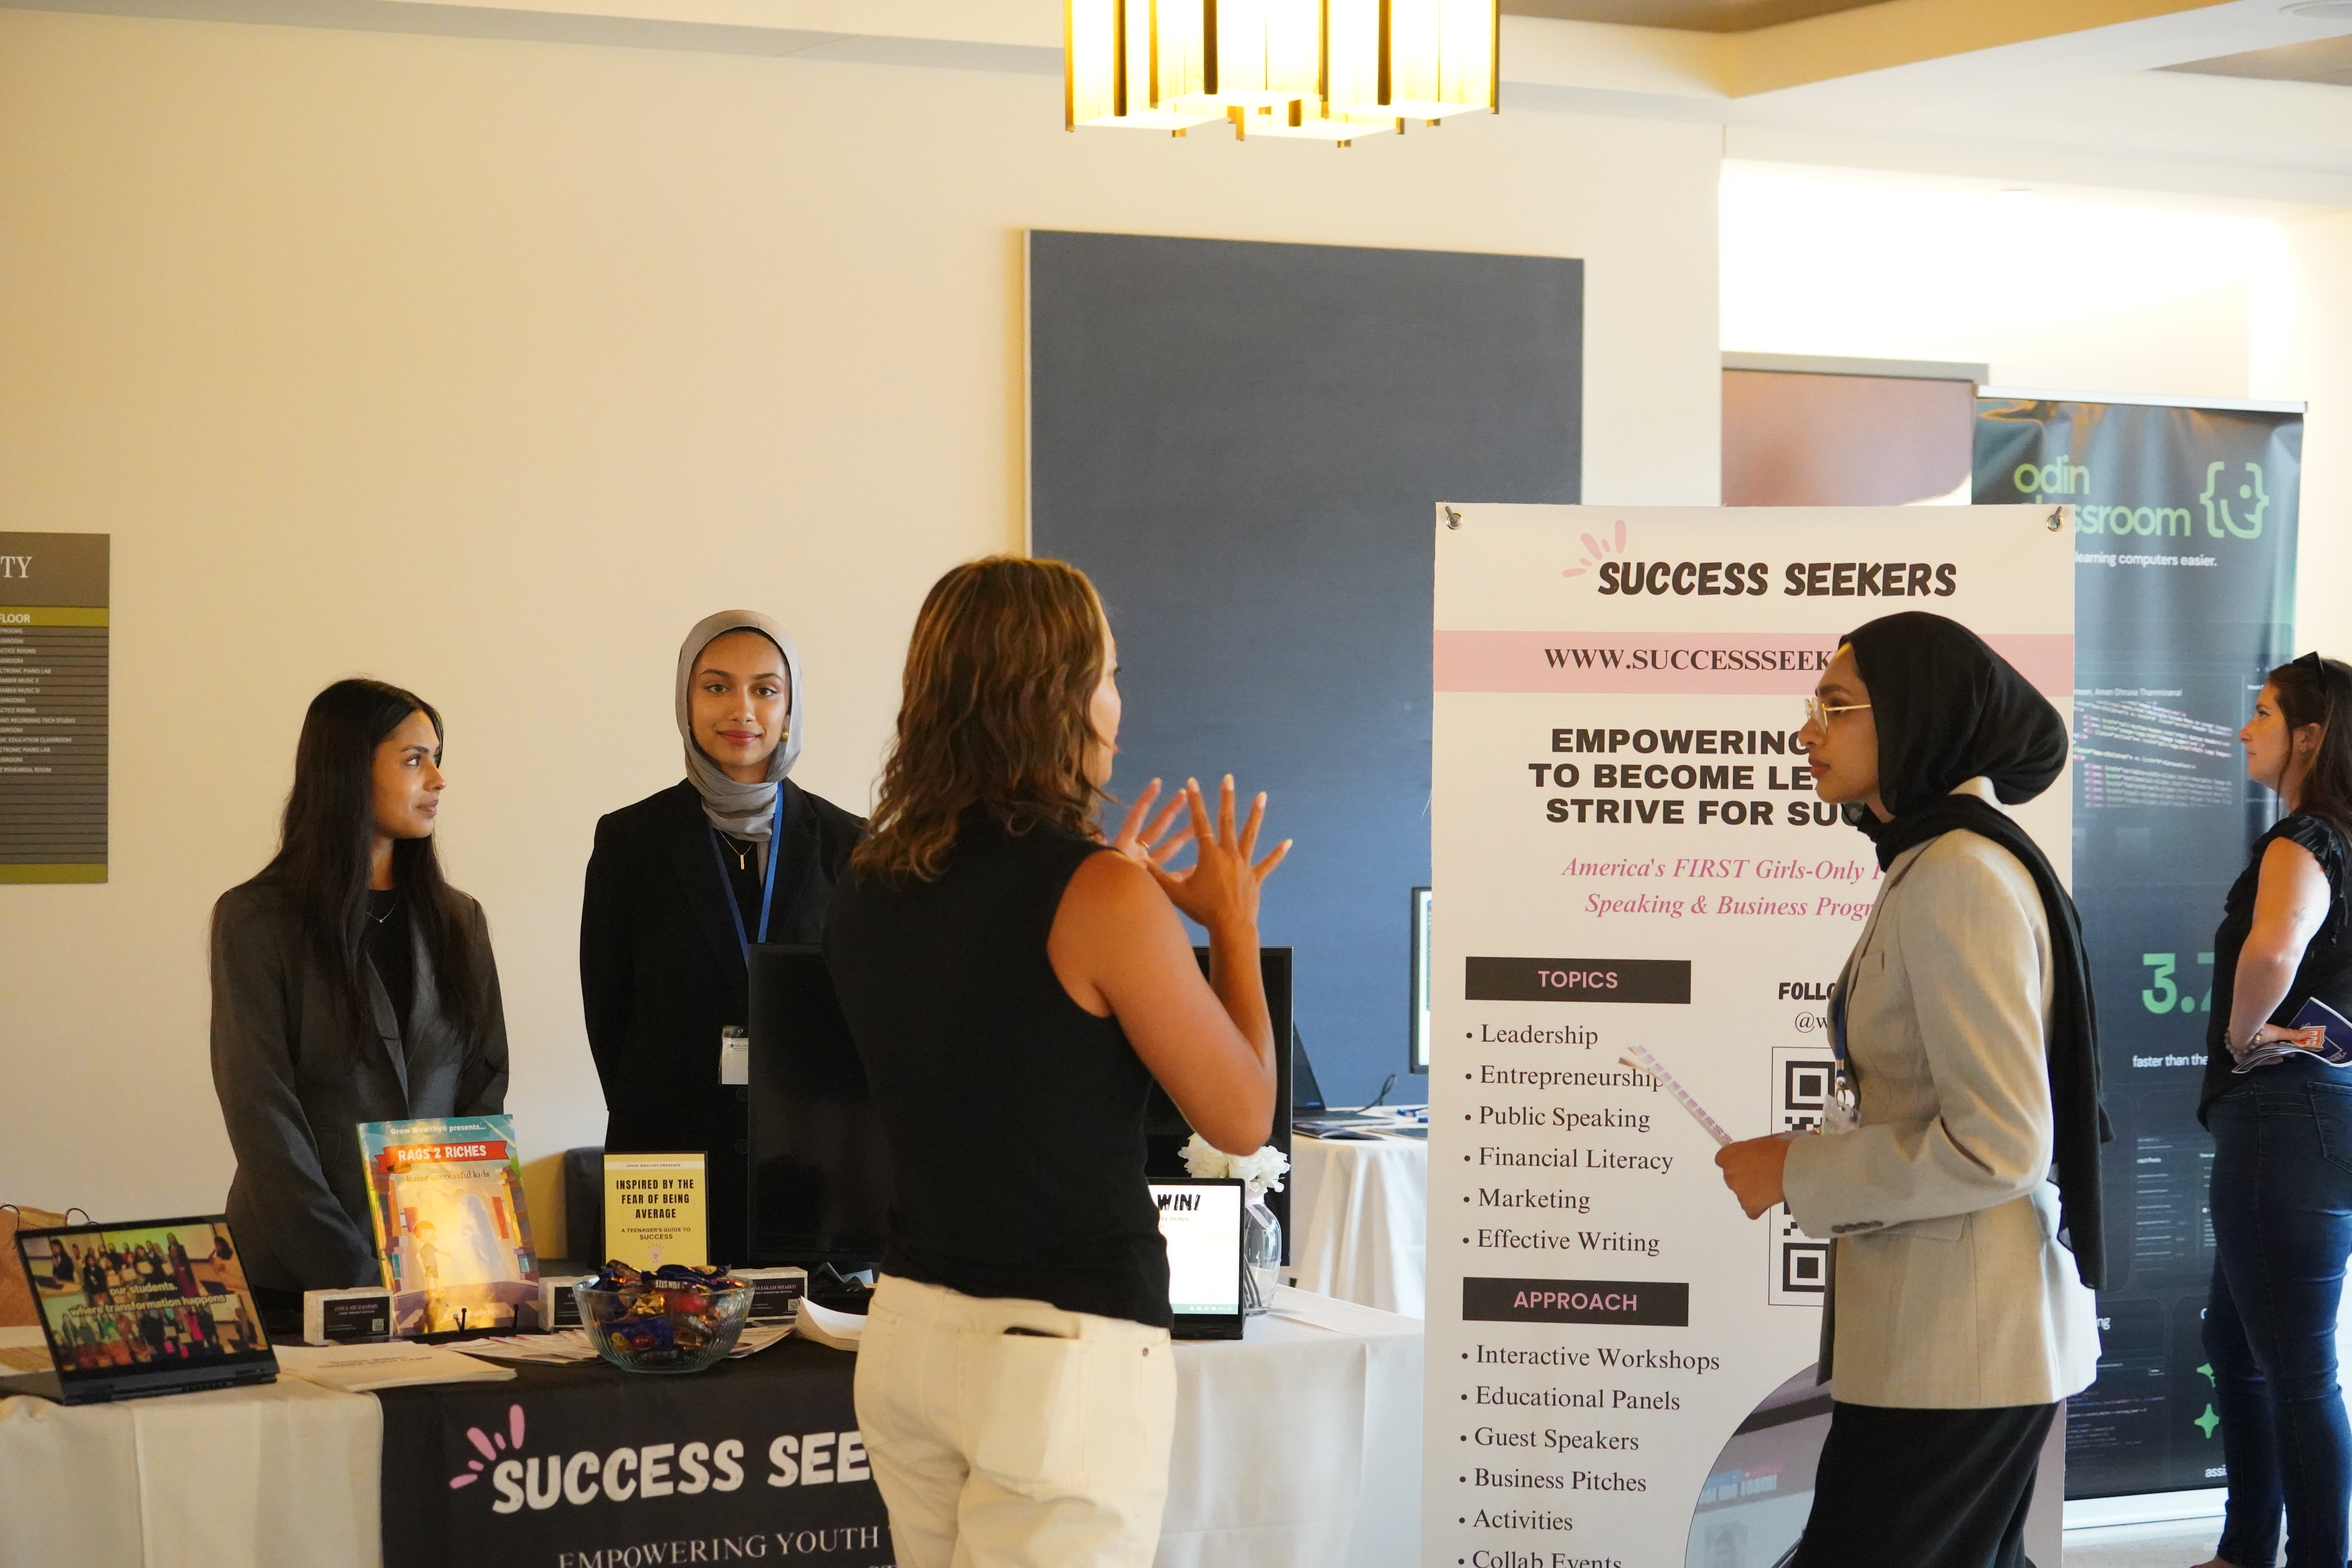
(2327, 60)
(1688, 16)
(2203, 100)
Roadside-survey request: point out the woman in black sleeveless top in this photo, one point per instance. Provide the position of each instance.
(1014, 984)
(2281, 1195)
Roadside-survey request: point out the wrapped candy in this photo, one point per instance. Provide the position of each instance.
(672, 1311)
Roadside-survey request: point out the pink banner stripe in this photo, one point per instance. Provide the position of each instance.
(1759, 664)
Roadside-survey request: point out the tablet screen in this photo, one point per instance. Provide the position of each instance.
(1202, 1222)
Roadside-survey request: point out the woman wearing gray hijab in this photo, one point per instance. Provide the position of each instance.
(683, 882)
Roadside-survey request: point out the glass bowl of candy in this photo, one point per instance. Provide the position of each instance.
(671, 1318)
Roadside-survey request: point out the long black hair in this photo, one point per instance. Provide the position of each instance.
(2315, 690)
(322, 862)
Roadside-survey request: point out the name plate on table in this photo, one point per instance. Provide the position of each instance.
(755, 1460)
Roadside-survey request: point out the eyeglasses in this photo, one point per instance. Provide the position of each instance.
(1817, 713)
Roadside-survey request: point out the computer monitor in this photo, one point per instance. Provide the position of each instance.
(1165, 1131)
(1201, 1220)
(152, 1306)
(819, 1165)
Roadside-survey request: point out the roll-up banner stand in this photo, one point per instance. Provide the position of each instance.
(1627, 858)
(2184, 586)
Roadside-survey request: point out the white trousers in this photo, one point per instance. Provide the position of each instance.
(1044, 1447)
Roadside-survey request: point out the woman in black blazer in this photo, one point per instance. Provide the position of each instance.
(350, 984)
(682, 882)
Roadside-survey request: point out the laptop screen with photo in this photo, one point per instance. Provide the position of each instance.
(152, 1307)
(1201, 1221)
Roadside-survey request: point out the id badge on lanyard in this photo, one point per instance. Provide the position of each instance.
(1841, 1108)
(734, 1040)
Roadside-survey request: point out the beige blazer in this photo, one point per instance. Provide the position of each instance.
(1950, 1288)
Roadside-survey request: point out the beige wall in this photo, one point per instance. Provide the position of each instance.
(489, 367)
(2074, 290)
(2305, 353)
(2121, 293)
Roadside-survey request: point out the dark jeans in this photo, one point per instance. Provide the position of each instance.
(2281, 1225)
(1924, 1488)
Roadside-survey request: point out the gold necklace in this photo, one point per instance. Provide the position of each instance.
(742, 851)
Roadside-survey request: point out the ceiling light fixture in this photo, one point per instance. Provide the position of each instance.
(2322, 10)
(1323, 70)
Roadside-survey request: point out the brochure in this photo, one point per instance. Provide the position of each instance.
(362, 1369)
(446, 1196)
(2319, 1031)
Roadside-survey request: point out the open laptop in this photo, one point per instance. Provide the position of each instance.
(152, 1306)
(1201, 1220)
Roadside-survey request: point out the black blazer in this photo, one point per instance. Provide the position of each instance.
(295, 1076)
(661, 974)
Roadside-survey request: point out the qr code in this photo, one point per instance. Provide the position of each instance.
(1798, 1268)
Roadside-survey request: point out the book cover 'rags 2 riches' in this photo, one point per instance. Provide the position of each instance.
(446, 1196)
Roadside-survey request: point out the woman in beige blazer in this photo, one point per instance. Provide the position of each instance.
(1959, 1313)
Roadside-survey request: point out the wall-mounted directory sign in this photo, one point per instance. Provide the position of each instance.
(53, 650)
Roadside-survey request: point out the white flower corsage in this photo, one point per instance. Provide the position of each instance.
(1262, 1171)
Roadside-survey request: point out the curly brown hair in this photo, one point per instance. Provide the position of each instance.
(1002, 667)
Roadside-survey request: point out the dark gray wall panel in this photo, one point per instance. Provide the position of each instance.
(1242, 444)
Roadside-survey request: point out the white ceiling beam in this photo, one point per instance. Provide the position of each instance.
(1906, 32)
(499, 21)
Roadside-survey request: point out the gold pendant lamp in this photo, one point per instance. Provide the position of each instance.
(1324, 70)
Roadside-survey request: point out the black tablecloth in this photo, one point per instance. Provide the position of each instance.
(754, 1460)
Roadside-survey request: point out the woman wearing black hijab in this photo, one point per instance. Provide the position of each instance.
(1960, 1182)
(680, 885)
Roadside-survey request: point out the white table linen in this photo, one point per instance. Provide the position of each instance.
(1360, 1214)
(281, 1475)
(1297, 1446)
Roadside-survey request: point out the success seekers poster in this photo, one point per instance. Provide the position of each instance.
(1628, 859)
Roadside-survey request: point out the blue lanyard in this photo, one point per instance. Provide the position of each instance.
(767, 882)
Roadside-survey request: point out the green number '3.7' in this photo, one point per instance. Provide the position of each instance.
(2164, 996)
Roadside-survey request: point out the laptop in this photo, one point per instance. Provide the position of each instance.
(1201, 1220)
(152, 1306)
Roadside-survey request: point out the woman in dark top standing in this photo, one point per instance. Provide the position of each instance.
(1013, 984)
(681, 883)
(2281, 1200)
(350, 984)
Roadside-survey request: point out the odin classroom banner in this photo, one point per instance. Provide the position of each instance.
(2184, 583)
(1627, 853)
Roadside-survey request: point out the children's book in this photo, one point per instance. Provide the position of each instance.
(451, 1231)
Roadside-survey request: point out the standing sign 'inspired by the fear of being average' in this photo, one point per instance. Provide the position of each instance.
(1628, 859)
